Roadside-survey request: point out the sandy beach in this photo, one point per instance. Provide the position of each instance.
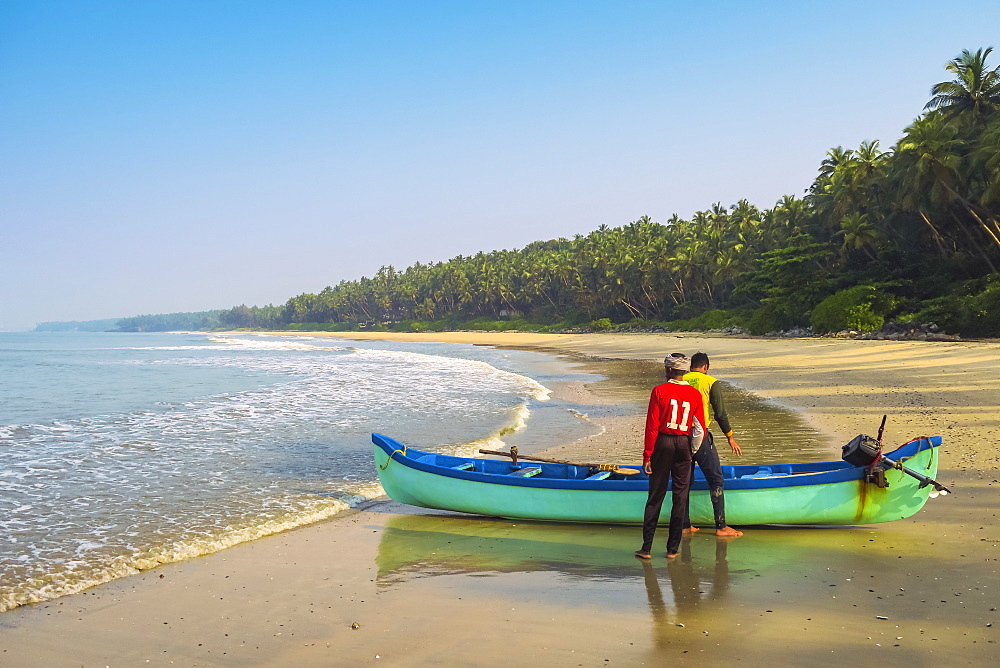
(394, 585)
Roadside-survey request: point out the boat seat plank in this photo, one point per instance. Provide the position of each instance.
(761, 472)
(464, 466)
(527, 473)
(600, 475)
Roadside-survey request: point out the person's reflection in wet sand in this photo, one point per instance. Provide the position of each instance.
(687, 589)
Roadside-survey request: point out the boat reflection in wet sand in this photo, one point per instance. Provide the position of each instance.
(577, 560)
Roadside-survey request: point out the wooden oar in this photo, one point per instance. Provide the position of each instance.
(600, 467)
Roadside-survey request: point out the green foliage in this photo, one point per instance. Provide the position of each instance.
(323, 327)
(972, 310)
(417, 326)
(487, 325)
(171, 322)
(715, 319)
(861, 308)
(771, 317)
(601, 324)
(787, 283)
(640, 323)
(709, 320)
(109, 325)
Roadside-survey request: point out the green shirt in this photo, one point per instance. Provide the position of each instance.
(712, 395)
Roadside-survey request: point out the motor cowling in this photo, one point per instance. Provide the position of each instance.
(862, 450)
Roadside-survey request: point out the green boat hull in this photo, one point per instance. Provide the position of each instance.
(806, 496)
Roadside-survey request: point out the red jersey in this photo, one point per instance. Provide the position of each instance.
(673, 409)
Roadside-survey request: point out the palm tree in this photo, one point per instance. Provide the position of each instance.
(927, 174)
(927, 162)
(834, 192)
(986, 160)
(788, 218)
(858, 233)
(975, 91)
(834, 158)
(869, 169)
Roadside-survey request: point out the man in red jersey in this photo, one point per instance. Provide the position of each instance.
(675, 426)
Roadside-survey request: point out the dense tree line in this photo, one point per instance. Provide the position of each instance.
(171, 322)
(907, 232)
(107, 325)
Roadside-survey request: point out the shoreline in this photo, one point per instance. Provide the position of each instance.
(292, 597)
(839, 385)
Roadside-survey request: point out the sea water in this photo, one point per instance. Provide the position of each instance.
(119, 452)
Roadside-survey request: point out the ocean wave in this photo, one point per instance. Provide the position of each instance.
(71, 576)
(95, 498)
(222, 343)
(390, 362)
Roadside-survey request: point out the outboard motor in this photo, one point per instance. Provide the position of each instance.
(863, 450)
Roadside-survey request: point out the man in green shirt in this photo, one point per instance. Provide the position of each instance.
(707, 457)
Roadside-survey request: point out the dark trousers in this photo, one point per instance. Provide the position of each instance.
(707, 459)
(671, 461)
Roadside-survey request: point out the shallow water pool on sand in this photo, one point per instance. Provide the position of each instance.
(767, 431)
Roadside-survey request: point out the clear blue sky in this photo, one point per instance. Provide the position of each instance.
(182, 156)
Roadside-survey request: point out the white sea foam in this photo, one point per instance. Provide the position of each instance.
(72, 576)
(90, 499)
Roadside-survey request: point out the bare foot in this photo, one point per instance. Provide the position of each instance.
(642, 554)
(690, 530)
(728, 531)
(672, 556)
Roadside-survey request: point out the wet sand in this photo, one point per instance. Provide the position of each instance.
(426, 587)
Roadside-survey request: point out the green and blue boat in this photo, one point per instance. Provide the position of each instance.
(815, 493)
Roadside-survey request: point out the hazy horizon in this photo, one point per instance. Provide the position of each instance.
(186, 156)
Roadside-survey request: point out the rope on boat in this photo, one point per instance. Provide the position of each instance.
(401, 451)
(930, 461)
(878, 458)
